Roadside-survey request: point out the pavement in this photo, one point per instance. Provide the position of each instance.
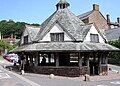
(31, 79)
(113, 79)
(112, 74)
(10, 78)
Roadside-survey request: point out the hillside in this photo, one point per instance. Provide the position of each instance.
(8, 28)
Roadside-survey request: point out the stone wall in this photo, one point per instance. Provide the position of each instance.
(61, 71)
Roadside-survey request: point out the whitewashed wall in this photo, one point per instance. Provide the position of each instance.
(93, 30)
(25, 34)
(56, 29)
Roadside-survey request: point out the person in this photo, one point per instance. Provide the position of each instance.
(43, 61)
(22, 61)
(22, 58)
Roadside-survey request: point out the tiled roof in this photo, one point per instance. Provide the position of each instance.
(112, 34)
(67, 20)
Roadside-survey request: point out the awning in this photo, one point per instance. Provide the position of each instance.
(65, 46)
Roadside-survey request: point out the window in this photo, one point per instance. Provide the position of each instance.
(94, 38)
(73, 57)
(47, 59)
(26, 39)
(57, 37)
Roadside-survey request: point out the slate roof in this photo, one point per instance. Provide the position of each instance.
(84, 15)
(32, 31)
(66, 46)
(67, 20)
(112, 34)
(114, 23)
(74, 28)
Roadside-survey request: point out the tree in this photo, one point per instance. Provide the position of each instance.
(4, 45)
(115, 56)
(10, 27)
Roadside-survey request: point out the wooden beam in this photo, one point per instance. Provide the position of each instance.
(80, 59)
(57, 59)
(99, 63)
(36, 59)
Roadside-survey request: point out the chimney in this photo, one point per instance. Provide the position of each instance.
(108, 20)
(95, 7)
(118, 21)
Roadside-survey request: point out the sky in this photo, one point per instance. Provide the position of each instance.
(37, 11)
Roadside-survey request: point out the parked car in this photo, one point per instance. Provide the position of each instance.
(11, 57)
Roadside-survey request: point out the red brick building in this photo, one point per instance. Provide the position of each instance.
(95, 16)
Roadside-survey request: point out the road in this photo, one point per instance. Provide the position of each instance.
(46, 81)
(9, 78)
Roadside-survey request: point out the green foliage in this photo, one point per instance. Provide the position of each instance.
(115, 56)
(10, 27)
(5, 45)
(115, 43)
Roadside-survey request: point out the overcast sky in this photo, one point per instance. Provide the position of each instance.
(36, 11)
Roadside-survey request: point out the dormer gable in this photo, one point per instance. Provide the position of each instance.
(29, 34)
(57, 33)
(94, 35)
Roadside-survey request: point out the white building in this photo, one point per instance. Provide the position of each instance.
(67, 46)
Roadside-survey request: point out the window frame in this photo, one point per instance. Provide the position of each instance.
(25, 39)
(57, 37)
(94, 38)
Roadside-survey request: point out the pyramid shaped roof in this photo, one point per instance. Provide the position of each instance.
(71, 24)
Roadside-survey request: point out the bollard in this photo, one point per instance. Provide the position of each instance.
(51, 76)
(87, 78)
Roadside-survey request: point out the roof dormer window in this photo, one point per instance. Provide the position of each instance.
(26, 39)
(94, 38)
(57, 37)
